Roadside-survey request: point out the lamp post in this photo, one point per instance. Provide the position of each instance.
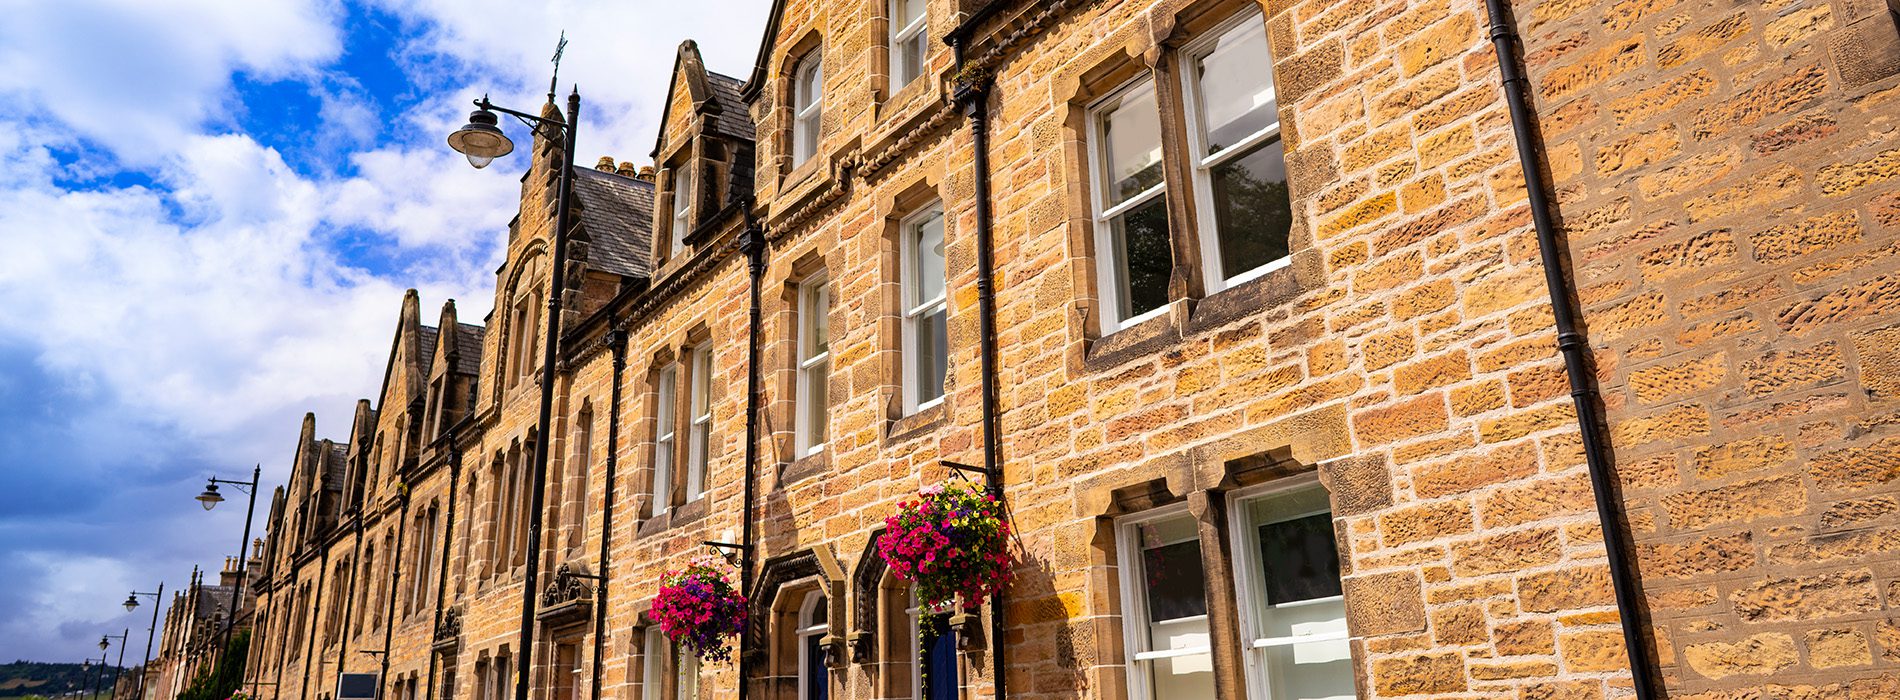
(86, 670)
(131, 604)
(106, 641)
(482, 142)
(210, 499)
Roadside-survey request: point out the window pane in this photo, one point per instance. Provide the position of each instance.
(1142, 257)
(903, 12)
(1299, 596)
(928, 248)
(810, 82)
(933, 355)
(817, 317)
(817, 401)
(682, 202)
(1131, 145)
(1301, 560)
(1236, 86)
(650, 674)
(1252, 210)
(909, 55)
(686, 686)
(1175, 583)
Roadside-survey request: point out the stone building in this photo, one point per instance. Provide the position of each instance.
(1266, 363)
(191, 633)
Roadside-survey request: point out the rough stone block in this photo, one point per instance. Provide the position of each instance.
(1757, 655)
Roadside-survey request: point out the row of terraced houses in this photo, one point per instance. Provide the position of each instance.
(1246, 301)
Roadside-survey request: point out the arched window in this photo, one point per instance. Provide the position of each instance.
(682, 222)
(699, 426)
(574, 513)
(814, 365)
(524, 317)
(518, 508)
(909, 41)
(919, 648)
(363, 593)
(665, 436)
(926, 317)
(814, 678)
(808, 104)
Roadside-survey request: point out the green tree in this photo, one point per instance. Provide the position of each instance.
(222, 680)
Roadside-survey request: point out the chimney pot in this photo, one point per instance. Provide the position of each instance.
(646, 173)
(606, 164)
(626, 169)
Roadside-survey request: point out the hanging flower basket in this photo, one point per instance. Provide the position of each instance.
(698, 607)
(952, 542)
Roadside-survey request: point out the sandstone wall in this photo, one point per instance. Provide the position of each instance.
(1727, 178)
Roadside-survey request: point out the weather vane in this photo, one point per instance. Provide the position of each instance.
(559, 48)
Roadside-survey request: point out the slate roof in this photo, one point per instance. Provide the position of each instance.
(734, 119)
(336, 466)
(210, 597)
(617, 213)
(468, 348)
(426, 349)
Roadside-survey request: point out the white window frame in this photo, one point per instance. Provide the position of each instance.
(682, 207)
(665, 436)
(1135, 615)
(808, 104)
(901, 35)
(915, 312)
(1201, 172)
(1245, 543)
(805, 631)
(1107, 253)
(814, 366)
(699, 423)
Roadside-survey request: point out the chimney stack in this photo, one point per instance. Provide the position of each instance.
(606, 164)
(626, 169)
(229, 576)
(646, 173)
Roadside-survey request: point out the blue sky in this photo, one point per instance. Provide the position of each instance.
(210, 210)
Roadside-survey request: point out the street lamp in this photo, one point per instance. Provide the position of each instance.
(132, 603)
(211, 499)
(483, 142)
(92, 677)
(105, 641)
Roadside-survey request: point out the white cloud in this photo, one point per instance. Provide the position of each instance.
(221, 300)
(137, 75)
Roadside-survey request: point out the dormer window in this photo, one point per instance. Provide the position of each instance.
(682, 207)
(909, 43)
(808, 97)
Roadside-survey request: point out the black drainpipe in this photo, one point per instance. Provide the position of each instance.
(973, 93)
(617, 342)
(1575, 349)
(442, 577)
(752, 244)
